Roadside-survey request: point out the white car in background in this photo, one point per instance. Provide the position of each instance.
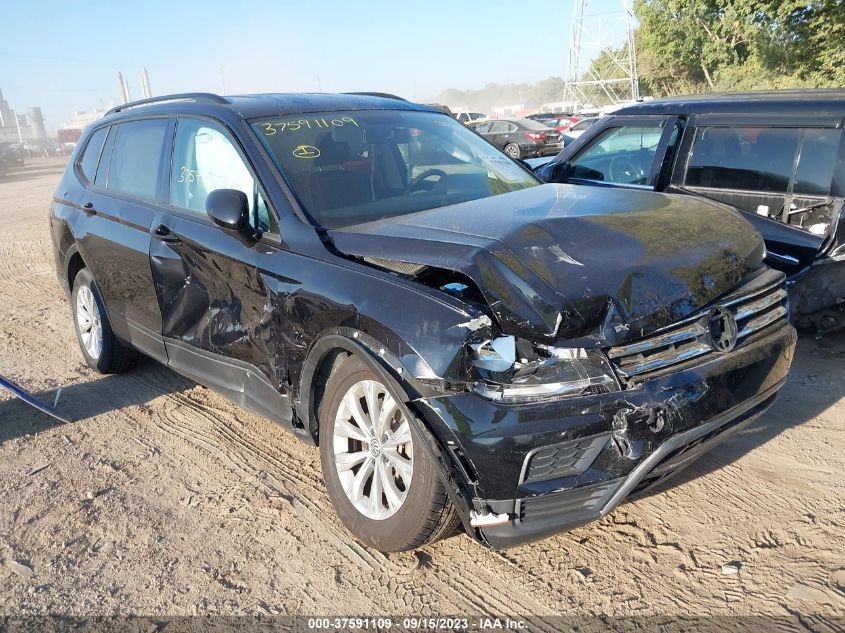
(466, 117)
(579, 128)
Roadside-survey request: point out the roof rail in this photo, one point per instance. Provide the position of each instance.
(207, 97)
(383, 95)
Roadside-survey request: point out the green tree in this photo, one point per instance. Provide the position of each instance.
(700, 45)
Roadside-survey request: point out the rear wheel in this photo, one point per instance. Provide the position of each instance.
(101, 349)
(512, 150)
(381, 481)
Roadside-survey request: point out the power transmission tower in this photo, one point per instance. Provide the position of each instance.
(602, 66)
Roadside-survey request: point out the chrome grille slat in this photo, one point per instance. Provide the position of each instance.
(762, 321)
(760, 304)
(658, 341)
(669, 357)
(690, 338)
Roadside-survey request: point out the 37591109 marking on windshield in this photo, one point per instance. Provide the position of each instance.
(309, 124)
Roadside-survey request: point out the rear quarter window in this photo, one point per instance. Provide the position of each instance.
(91, 154)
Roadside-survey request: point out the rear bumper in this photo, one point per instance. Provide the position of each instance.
(549, 149)
(552, 466)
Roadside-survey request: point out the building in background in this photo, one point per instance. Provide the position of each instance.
(70, 131)
(21, 127)
(36, 124)
(514, 109)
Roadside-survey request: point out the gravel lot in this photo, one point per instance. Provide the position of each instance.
(163, 498)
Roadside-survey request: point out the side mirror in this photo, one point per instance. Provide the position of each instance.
(558, 172)
(228, 208)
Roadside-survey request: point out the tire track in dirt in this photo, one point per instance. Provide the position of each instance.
(239, 449)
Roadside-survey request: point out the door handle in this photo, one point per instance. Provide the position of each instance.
(88, 207)
(163, 233)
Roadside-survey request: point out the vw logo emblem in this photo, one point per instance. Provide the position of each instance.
(721, 326)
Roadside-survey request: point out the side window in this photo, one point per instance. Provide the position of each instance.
(817, 161)
(498, 127)
(204, 159)
(622, 155)
(743, 158)
(512, 127)
(135, 158)
(482, 128)
(91, 154)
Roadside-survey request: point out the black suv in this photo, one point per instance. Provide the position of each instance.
(777, 156)
(465, 344)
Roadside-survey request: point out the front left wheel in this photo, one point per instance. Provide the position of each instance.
(102, 350)
(379, 476)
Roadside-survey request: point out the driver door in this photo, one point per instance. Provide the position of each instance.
(625, 152)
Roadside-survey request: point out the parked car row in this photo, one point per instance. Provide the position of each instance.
(777, 157)
(467, 345)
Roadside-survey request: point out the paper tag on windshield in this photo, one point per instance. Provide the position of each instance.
(505, 166)
(763, 209)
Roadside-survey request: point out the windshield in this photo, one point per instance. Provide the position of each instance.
(352, 167)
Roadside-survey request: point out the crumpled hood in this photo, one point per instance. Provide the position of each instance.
(562, 261)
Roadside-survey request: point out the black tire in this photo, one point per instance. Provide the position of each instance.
(426, 515)
(512, 150)
(115, 357)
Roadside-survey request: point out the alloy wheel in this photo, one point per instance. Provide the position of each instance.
(89, 323)
(373, 450)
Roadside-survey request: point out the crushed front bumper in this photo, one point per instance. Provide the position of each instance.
(544, 468)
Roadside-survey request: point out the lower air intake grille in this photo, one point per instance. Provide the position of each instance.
(564, 459)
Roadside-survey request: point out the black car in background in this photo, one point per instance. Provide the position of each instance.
(14, 153)
(778, 156)
(465, 344)
(519, 138)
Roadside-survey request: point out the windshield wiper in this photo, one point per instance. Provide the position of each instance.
(824, 203)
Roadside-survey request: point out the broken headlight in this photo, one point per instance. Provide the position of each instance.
(517, 370)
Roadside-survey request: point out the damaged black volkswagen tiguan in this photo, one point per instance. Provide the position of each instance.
(466, 345)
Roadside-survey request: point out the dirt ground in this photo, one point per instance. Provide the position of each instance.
(164, 498)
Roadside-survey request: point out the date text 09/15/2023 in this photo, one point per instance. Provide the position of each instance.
(410, 623)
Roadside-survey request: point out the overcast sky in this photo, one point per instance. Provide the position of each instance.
(65, 56)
